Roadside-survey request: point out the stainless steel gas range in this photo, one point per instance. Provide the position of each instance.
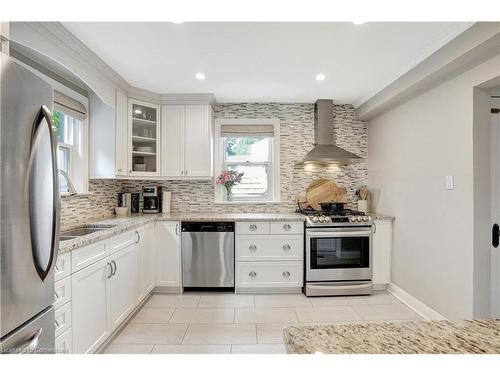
(338, 253)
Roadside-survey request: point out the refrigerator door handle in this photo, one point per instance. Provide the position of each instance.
(44, 118)
(31, 345)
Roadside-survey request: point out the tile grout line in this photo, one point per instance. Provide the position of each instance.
(185, 333)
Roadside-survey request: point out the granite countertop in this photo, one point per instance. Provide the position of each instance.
(378, 216)
(124, 223)
(419, 337)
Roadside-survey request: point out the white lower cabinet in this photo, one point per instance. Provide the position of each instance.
(148, 259)
(382, 250)
(64, 342)
(168, 255)
(269, 257)
(256, 275)
(121, 285)
(96, 299)
(90, 307)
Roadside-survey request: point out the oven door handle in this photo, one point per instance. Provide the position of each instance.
(339, 234)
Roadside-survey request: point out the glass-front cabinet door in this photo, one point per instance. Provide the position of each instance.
(144, 138)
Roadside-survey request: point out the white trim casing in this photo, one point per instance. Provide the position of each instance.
(418, 306)
(276, 198)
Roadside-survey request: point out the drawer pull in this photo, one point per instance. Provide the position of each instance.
(252, 247)
(287, 227)
(57, 324)
(56, 295)
(287, 247)
(57, 268)
(286, 274)
(252, 274)
(253, 227)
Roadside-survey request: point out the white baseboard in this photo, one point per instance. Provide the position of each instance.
(418, 306)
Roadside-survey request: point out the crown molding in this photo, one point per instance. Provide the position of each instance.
(474, 46)
(188, 99)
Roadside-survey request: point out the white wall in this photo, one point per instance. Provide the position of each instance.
(411, 150)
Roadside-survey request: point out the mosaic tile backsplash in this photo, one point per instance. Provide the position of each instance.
(297, 139)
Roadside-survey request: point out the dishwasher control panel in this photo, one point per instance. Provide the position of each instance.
(206, 226)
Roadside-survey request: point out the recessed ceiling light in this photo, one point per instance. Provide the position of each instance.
(320, 77)
(358, 22)
(199, 76)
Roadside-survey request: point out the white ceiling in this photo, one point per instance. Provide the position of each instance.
(265, 61)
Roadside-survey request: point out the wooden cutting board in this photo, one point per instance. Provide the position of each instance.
(324, 190)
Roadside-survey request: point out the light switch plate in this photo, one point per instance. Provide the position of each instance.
(450, 182)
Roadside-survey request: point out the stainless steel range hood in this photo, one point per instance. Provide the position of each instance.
(325, 151)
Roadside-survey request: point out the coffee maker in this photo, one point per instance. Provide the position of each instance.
(152, 199)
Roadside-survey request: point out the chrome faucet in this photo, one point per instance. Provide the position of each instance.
(71, 187)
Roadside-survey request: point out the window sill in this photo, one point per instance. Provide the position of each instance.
(83, 194)
(246, 202)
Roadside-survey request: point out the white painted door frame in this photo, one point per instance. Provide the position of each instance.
(495, 211)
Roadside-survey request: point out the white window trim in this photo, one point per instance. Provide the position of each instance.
(219, 159)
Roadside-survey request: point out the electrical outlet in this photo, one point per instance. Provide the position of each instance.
(450, 182)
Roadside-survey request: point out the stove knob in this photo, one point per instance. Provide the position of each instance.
(328, 219)
(322, 219)
(353, 219)
(315, 219)
(365, 219)
(358, 219)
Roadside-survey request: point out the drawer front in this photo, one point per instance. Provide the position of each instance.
(88, 255)
(63, 319)
(277, 247)
(124, 240)
(63, 266)
(62, 292)
(64, 343)
(287, 227)
(260, 274)
(257, 227)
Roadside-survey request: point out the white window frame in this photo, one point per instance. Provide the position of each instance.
(273, 172)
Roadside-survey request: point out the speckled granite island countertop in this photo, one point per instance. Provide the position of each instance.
(124, 223)
(419, 337)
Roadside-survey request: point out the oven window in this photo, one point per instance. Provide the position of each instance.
(340, 252)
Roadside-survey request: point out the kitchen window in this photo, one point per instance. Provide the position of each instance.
(70, 119)
(250, 147)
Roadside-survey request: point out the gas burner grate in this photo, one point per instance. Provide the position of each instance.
(343, 212)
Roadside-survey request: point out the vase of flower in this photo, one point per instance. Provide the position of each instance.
(228, 179)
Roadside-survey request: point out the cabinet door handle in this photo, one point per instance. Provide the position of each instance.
(56, 295)
(287, 227)
(286, 274)
(119, 169)
(186, 172)
(286, 247)
(138, 236)
(56, 323)
(114, 264)
(253, 227)
(374, 228)
(176, 229)
(252, 247)
(56, 268)
(252, 274)
(182, 172)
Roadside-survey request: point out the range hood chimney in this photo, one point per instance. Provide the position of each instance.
(325, 151)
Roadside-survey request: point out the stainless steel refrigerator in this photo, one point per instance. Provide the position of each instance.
(29, 202)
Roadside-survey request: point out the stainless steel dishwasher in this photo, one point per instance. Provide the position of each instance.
(207, 255)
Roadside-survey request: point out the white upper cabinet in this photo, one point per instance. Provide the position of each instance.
(121, 128)
(187, 141)
(172, 137)
(143, 139)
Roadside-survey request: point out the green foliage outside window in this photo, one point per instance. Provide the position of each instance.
(56, 116)
(240, 146)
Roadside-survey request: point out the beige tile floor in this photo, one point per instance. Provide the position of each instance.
(224, 323)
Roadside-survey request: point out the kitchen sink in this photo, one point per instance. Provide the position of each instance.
(82, 231)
